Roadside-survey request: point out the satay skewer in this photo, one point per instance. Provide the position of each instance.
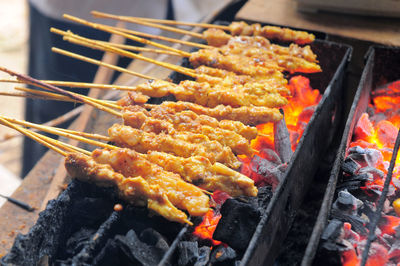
(284, 34)
(75, 96)
(118, 32)
(187, 172)
(94, 44)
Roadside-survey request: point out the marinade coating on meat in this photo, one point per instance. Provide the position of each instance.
(181, 194)
(199, 171)
(184, 145)
(185, 125)
(218, 38)
(211, 96)
(135, 190)
(248, 115)
(260, 55)
(238, 64)
(271, 32)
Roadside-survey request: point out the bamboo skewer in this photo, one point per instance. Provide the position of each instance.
(162, 38)
(93, 44)
(74, 96)
(52, 130)
(181, 23)
(31, 135)
(119, 32)
(139, 49)
(65, 133)
(98, 14)
(98, 62)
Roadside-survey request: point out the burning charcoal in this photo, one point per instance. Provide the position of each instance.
(204, 256)
(268, 170)
(222, 255)
(349, 166)
(271, 156)
(139, 251)
(332, 231)
(356, 222)
(188, 253)
(394, 252)
(282, 141)
(377, 254)
(366, 157)
(347, 203)
(237, 225)
(376, 173)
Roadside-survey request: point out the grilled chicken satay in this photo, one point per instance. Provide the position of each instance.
(185, 116)
(181, 144)
(181, 194)
(271, 32)
(258, 54)
(231, 139)
(134, 190)
(275, 82)
(218, 38)
(206, 95)
(248, 115)
(199, 171)
(241, 65)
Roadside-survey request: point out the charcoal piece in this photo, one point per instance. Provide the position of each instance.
(376, 173)
(78, 240)
(237, 224)
(349, 166)
(137, 250)
(356, 222)
(222, 255)
(267, 169)
(366, 157)
(204, 256)
(332, 231)
(263, 198)
(347, 203)
(351, 186)
(282, 143)
(270, 155)
(111, 254)
(188, 253)
(154, 238)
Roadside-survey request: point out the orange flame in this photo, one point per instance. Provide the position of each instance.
(298, 113)
(206, 228)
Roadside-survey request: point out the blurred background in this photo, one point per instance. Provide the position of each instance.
(13, 55)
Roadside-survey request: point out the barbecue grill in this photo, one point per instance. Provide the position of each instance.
(80, 227)
(380, 68)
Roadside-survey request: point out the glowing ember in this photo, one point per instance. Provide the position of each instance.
(298, 113)
(206, 228)
(377, 135)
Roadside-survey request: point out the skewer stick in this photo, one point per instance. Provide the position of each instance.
(74, 96)
(118, 32)
(46, 95)
(182, 23)
(84, 85)
(139, 49)
(93, 44)
(144, 23)
(66, 98)
(32, 136)
(162, 38)
(69, 134)
(99, 63)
